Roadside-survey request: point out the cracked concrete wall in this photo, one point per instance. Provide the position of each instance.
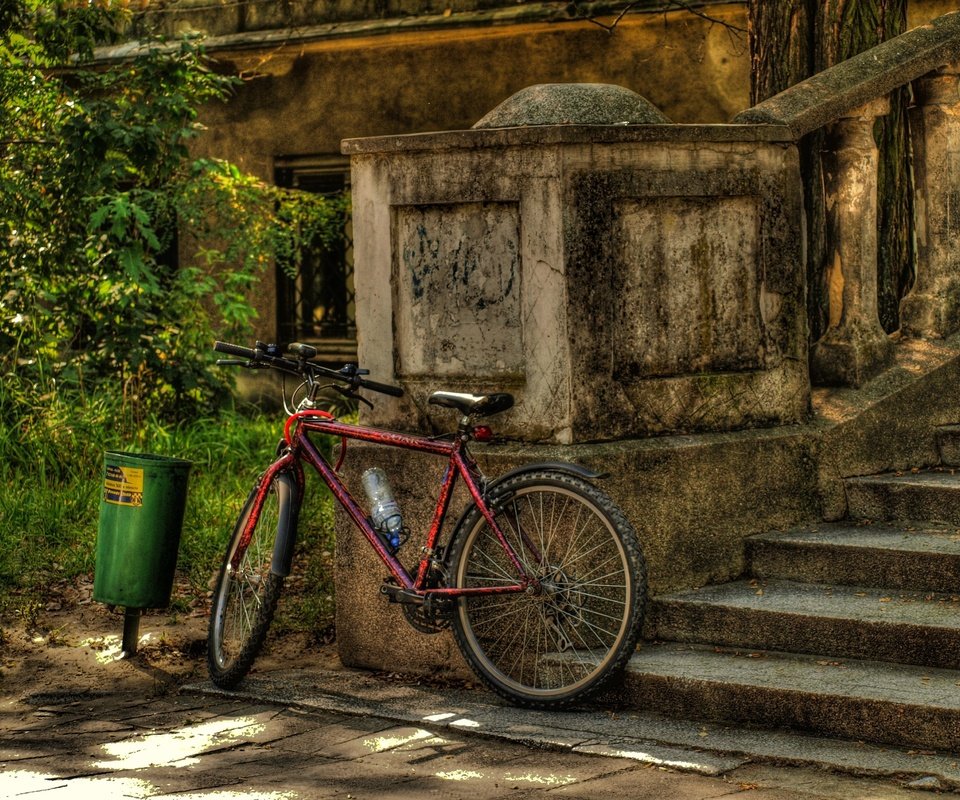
(457, 298)
(647, 283)
(459, 286)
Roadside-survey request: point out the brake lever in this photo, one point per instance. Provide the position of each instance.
(353, 395)
(351, 371)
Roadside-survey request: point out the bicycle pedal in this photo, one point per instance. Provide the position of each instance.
(397, 594)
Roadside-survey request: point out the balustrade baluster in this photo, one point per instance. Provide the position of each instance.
(854, 346)
(933, 306)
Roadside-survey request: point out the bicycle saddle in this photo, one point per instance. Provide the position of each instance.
(483, 405)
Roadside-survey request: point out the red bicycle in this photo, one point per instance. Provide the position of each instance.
(542, 579)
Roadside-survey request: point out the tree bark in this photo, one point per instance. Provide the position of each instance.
(781, 45)
(783, 53)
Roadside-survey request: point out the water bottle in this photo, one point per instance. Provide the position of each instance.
(384, 511)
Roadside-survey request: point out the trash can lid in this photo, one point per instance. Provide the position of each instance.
(145, 459)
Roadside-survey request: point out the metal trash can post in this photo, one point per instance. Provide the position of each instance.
(141, 516)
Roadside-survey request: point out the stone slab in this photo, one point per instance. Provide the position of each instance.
(918, 558)
(832, 621)
(930, 495)
(863, 700)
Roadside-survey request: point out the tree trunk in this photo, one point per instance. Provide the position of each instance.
(791, 40)
(781, 45)
(783, 53)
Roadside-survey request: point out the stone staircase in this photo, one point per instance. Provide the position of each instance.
(848, 629)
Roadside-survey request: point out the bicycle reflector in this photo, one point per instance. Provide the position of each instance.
(482, 433)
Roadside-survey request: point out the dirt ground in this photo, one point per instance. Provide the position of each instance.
(73, 643)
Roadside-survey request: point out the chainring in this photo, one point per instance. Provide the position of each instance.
(426, 621)
(433, 614)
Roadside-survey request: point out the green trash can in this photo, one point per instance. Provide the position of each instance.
(141, 516)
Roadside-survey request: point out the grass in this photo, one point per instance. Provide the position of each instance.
(49, 510)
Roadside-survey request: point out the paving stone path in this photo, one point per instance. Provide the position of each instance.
(120, 743)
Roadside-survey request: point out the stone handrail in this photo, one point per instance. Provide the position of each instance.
(835, 92)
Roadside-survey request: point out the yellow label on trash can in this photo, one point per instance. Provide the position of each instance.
(123, 486)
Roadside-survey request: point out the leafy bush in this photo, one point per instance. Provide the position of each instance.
(104, 338)
(98, 193)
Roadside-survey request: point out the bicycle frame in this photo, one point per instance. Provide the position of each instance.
(459, 465)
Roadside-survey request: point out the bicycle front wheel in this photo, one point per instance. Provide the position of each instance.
(563, 638)
(248, 589)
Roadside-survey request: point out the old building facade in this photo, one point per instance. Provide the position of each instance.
(316, 73)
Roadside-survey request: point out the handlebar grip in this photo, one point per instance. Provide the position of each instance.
(234, 350)
(383, 388)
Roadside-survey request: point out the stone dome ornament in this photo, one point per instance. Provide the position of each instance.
(573, 104)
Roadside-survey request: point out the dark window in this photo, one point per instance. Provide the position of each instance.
(316, 304)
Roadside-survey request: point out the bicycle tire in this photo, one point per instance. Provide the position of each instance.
(245, 599)
(550, 649)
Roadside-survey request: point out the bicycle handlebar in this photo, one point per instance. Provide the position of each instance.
(235, 350)
(383, 388)
(263, 355)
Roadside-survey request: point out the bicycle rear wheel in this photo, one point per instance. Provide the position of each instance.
(247, 589)
(560, 641)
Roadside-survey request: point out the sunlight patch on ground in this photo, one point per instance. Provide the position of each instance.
(177, 748)
(18, 783)
(458, 775)
(542, 780)
(22, 783)
(439, 717)
(381, 743)
(110, 648)
(639, 755)
(253, 794)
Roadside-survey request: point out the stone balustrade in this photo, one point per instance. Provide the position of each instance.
(846, 100)
(854, 347)
(620, 280)
(933, 307)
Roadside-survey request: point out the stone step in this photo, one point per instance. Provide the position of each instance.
(922, 558)
(840, 621)
(932, 495)
(948, 444)
(860, 700)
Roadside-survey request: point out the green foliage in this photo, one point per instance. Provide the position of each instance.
(104, 337)
(48, 528)
(98, 195)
